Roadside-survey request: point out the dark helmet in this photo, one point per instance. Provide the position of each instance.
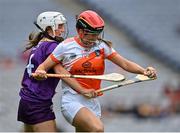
(90, 21)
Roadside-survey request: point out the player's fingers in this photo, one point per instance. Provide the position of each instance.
(40, 75)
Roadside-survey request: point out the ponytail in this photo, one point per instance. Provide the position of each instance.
(33, 40)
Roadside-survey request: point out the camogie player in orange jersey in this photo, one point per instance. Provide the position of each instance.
(85, 54)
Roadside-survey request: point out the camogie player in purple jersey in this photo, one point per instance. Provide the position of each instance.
(35, 106)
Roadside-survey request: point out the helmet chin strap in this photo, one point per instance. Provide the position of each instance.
(87, 46)
(81, 39)
(56, 38)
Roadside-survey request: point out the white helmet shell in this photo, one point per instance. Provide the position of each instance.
(50, 18)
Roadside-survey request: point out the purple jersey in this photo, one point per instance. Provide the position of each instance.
(38, 90)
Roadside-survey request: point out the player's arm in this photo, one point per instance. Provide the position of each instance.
(49, 63)
(132, 66)
(127, 64)
(73, 83)
(40, 72)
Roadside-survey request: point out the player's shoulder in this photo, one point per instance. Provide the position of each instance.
(67, 43)
(47, 44)
(51, 45)
(68, 40)
(103, 45)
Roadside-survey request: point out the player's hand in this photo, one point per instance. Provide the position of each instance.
(89, 93)
(150, 72)
(39, 75)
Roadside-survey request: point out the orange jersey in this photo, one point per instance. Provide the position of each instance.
(80, 61)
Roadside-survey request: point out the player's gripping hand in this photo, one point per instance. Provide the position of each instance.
(150, 72)
(39, 75)
(89, 93)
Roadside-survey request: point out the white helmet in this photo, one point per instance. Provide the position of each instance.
(50, 18)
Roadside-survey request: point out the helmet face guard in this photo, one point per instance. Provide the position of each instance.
(51, 19)
(91, 39)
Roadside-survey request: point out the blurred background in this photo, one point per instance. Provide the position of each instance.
(146, 32)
